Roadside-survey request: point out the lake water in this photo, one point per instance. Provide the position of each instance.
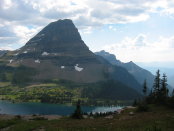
(47, 109)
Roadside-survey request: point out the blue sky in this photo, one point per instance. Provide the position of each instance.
(133, 30)
(157, 29)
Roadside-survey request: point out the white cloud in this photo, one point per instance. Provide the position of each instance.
(15, 34)
(25, 33)
(99, 11)
(18, 16)
(112, 28)
(140, 40)
(86, 30)
(138, 49)
(5, 4)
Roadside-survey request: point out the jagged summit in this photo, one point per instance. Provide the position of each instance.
(59, 31)
(110, 57)
(57, 37)
(139, 73)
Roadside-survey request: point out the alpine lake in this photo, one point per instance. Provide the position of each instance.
(28, 108)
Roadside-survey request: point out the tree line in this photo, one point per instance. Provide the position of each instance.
(159, 94)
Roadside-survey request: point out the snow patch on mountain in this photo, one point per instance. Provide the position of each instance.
(37, 61)
(62, 67)
(77, 68)
(11, 61)
(16, 54)
(45, 53)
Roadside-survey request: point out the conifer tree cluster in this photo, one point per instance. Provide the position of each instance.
(159, 93)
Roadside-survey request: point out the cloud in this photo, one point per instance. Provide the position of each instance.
(86, 22)
(140, 40)
(99, 11)
(25, 33)
(166, 42)
(23, 18)
(138, 49)
(19, 35)
(6, 31)
(112, 28)
(17, 10)
(117, 12)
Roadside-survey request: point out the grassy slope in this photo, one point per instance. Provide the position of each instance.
(158, 119)
(65, 93)
(35, 93)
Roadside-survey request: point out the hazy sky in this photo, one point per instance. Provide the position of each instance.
(134, 30)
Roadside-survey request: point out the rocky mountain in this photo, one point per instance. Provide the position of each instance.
(57, 52)
(139, 73)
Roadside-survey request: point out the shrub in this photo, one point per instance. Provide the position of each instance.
(142, 107)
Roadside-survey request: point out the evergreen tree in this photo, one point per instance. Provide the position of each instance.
(164, 90)
(156, 86)
(78, 113)
(145, 88)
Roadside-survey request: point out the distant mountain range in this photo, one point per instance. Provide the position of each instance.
(57, 52)
(139, 73)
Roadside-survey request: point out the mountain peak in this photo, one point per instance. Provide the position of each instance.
(63, 21)
(60, 25)
(59, 43)
(131, 62)
(110, 57)
(57, 36)
(58, 31)
(106, 54)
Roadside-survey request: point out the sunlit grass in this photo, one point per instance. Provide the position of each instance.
(43, 85)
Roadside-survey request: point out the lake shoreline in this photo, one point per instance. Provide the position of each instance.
(26, 108)
(49, 117)
(120, 103)
(158, 117)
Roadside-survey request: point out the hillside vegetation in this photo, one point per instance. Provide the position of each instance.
(65, 92)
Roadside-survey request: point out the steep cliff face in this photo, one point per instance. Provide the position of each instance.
(58, 51)
(59, 37)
